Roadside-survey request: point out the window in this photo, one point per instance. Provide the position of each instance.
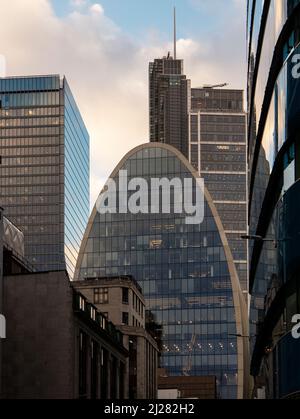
(100, 295)
(125, 318)
(93, 313)
(125, 295)
(104, 374)
(82, 364)
(94, 369)
(81, 303)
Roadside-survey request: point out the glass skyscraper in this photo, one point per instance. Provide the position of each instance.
(44, 171)
(169, 99)
(186, 272)
(274, 194)
(217, 149)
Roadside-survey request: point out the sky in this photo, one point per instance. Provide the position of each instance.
(104, 48)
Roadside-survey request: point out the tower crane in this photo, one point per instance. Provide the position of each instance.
(214, 86)
(187, 369)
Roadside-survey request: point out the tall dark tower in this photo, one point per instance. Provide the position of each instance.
(169, 95)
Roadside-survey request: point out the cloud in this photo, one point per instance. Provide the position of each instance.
(97, 8)
(78, 3)
(2, 66)
(106, 69)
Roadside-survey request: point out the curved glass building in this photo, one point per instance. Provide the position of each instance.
(274, 193)
(186, 272)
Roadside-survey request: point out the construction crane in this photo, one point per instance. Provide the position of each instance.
(214, 86)
(187, 369)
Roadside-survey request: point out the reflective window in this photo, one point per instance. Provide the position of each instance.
(46, 196)
(183, 272)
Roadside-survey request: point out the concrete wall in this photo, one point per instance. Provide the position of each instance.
(147, 361)
(38, 352)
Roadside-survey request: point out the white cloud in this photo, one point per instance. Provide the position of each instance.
(2, 66)
(78, 3)
(107, 70)
(97, 8)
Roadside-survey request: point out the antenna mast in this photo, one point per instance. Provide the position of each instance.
(175, 35)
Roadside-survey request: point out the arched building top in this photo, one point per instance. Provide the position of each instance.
(221, 266)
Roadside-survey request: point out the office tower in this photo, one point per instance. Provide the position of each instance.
(273, 151)
(217, 149)
(186, 272)
(169, 97)
(44, 171)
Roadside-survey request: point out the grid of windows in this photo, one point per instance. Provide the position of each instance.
(44, 170)
(273, 171)
(168, 91)
(218, 129)
(184, 276)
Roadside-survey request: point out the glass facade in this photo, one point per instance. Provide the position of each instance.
(169, 103)
(273, 129)
(217, 149)
(44, 171)
(76, 178)
(186, 273)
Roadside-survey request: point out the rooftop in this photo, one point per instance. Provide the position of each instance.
(107, 280)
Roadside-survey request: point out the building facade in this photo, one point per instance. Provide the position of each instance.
(202, 388)
(70, 349)
(121, 300)
(44, 171)
(273, 151)
(169, 99)
(186, 272)
(217, 149)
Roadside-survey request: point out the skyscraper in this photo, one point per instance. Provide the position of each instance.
(169, 103)
(186, 272)
(44, 171)
(274, 189)
(217, 149)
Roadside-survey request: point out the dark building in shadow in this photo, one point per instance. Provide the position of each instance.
(274, 195)
(58, 345)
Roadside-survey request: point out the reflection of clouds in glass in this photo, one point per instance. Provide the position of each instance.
(2, 66)
(268, 141)
(71, 252)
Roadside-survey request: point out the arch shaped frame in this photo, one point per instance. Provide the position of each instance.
(240, 306)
